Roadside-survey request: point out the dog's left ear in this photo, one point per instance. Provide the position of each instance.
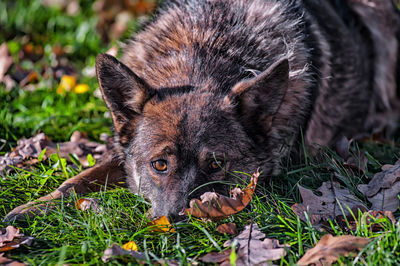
(258, 99)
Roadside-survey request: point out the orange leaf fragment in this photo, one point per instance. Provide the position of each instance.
(131, 245)
(161, 224)
(215, 206)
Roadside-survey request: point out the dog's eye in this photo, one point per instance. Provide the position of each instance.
(215, 165)
(160, 165)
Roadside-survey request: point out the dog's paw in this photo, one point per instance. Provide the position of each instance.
(28, 210)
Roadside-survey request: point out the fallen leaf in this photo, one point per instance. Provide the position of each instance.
(229, 229)
(85, 204)
(11, 238)
(9, 262)
(383, 190)
(6, 60)
(214, 206)
(161, 224)
(116, 250)
(131, 245)
(326, 206)
(330, 248)
(250, 249)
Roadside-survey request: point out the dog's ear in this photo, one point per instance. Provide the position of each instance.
(123, 91)
(258, 99)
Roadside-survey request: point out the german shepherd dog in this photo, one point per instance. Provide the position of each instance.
(209, 87)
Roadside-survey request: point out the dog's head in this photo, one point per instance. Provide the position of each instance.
(180, 142)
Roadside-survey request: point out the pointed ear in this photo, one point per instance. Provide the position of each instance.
(260, 98)
(123, 91)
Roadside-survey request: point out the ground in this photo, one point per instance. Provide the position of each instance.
(46, 39)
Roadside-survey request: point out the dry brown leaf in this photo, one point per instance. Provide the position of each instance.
(330, 248)
(326, 206)
(116, 250)
(31, 148)
(6, 60)
(383, 190)
(229, 229)
(214, 206)
(161, 224)
(9, 262)
(11, 238)
(85, 204)
(250, 249)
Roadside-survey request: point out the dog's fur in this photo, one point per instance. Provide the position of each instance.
(235, 82)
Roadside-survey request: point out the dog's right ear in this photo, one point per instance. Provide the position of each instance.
(123, 91)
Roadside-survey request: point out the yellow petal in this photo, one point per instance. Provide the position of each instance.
(131, 245)
(81, 88)
(161, 224)
(67, 83)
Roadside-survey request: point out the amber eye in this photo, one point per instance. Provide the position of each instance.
(215, 165)
(159, 165)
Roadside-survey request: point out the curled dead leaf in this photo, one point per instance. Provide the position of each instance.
(161, 224)
(330, 248)
(214, 206)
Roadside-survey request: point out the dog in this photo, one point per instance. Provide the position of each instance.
(210, 87)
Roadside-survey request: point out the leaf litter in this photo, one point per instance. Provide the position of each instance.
(28, 151)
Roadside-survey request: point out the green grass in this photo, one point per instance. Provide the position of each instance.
(69, 236)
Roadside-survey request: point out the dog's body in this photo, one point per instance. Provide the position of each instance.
(213, 87)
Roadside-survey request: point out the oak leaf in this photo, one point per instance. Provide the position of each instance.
(215, 206)
(383, 190)
(326, 206)
(330, 248)
(252, 248)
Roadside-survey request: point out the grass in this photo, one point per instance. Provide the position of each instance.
(69, 236)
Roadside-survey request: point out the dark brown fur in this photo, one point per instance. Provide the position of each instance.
(236, 81)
